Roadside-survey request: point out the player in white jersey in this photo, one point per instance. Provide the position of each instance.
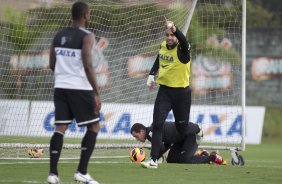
(76, 93)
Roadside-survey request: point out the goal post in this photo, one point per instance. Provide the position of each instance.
(128, 34)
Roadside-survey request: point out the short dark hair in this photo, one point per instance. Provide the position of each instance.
(78, 10)
(137, 127)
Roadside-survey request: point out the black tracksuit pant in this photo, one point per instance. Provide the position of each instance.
(179, 101)
(176, 154)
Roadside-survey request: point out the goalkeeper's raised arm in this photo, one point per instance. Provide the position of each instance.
(183, 50)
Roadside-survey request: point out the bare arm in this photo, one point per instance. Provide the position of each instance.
(88, 42)
(52, 58)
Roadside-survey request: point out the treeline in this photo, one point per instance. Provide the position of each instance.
(264, 13)
(142, 24)
(139, 22)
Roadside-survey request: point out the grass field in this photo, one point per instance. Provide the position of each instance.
(263, 165)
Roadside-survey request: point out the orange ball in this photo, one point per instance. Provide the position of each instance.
(137, 155)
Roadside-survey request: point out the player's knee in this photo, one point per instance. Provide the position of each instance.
(61, 128)
(94, 127)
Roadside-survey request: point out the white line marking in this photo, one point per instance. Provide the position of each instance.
(63, 162)
(13, 181)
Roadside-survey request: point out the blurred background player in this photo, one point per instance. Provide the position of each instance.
(76, 93)
(173, 68)
(181, 148)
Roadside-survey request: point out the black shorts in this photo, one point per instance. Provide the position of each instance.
(78, 104)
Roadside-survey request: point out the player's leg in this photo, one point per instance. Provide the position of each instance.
(181, 110)
(82, 105)
(178, 155)
(174, 155)
(161, 109)
(56, 144)
(188, 153)
(63, 117)
(87, 146)
(191, 128)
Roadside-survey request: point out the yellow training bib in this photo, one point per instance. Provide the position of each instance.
(172, 72)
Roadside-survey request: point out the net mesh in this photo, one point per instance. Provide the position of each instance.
(128, 36)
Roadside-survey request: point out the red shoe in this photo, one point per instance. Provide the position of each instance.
(218, 159)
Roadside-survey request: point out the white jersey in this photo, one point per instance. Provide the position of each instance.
(69, 70)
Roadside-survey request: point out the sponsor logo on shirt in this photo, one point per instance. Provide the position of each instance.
(63, 52)
(167, 58)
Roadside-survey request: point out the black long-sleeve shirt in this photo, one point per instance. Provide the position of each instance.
(183, 51)
(170, 135)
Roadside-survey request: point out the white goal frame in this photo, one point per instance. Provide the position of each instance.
(232, 149)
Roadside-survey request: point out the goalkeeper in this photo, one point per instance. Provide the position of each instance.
(182, 148)
(173, 68)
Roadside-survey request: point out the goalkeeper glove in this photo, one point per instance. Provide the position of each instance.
(151, 82)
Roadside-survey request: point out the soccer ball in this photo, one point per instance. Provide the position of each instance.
(35, 153)
(137, 155)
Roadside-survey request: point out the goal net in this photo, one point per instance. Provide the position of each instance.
(128, 36)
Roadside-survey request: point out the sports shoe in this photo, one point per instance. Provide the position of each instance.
(199, 136)
(218, 159)
(84, 178)
(53, 179)
(202, 153)
(151, 164)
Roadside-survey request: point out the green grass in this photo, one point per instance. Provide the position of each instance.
(46, 140)
(272, 125)
(263, 165)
